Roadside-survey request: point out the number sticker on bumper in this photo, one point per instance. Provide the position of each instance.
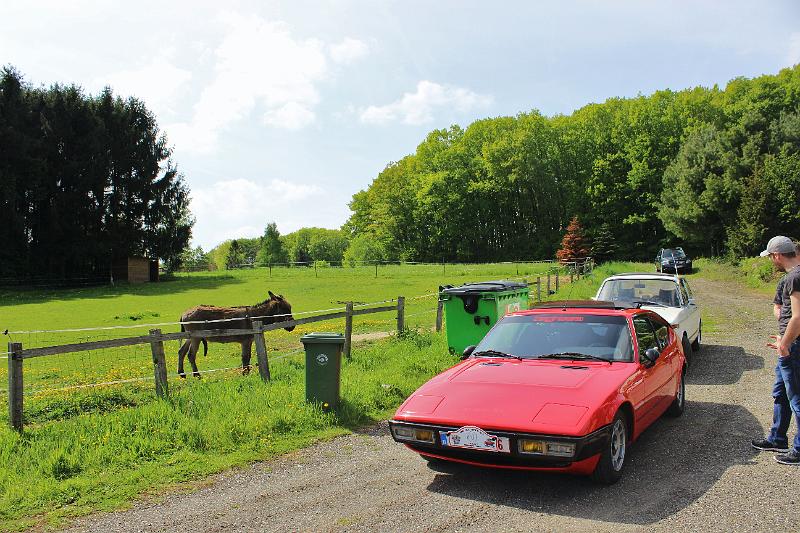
(475, 438)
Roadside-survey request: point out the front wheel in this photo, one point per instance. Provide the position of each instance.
(696, 343)
(612, 459)
(678, 405)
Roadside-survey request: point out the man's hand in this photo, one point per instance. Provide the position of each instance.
(777, 344)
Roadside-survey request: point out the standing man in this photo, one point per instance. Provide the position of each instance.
(786, 390)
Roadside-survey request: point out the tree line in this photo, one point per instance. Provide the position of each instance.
(84, 180)
(714, 170)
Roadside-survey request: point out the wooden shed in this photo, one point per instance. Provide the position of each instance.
(136, 269)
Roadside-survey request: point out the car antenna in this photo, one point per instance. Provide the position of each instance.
(569, 292)
(675, 263)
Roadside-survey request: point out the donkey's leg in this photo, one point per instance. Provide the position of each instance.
(181, 354)
(247, 347)
(193, 356)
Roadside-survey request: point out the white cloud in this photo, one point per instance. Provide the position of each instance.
(348, 51)
(240, 207)
(292, 116)
(158, 83)
(793, 56)
(418, 107)
(258, 63)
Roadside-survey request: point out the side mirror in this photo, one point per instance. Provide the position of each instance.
(651, 356)
(467, 351)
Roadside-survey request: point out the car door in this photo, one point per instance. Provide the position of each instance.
(646, 339)
(667, 366)
(692, 311)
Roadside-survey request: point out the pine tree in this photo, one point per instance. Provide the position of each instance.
(604, 246)
(574, 244)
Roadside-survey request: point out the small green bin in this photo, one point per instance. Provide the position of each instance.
(323, 366)
(473, 308)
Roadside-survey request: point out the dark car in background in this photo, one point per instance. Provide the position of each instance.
(673, 260)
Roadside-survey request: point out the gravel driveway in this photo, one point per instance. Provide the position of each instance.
(694, 473)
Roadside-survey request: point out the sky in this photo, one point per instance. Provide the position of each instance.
(281, 111)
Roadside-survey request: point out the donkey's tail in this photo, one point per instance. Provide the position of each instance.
(205, 347)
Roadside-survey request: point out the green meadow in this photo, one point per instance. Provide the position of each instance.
(98, 447)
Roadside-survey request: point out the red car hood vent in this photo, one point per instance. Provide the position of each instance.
(522, 373)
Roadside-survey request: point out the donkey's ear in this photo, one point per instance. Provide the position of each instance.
(272, 296)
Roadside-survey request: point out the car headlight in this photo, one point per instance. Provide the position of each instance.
(413, 434)
(543, 447)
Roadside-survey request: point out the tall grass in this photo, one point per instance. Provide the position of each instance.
(100, 459)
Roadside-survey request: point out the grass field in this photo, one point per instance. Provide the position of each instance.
(137, 306)
(86, 449)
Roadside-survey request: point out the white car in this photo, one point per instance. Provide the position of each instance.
(666, 294)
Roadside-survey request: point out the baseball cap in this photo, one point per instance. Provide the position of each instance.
(779, 245)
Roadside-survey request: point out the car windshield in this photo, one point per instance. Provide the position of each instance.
(542, 335)
(655, 291)
(673, 253)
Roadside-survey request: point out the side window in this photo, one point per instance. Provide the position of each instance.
(645, 336)
(684, 293)
(662, 335)
(686, 287)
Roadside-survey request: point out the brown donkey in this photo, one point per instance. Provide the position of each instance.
(274, 309)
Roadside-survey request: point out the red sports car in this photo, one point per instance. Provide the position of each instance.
(564, 387)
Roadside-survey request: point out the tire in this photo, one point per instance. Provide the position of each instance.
(696, 343)
(678, 405)
(612, 459)
(687, 348)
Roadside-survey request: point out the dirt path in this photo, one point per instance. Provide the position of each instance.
(694, 473)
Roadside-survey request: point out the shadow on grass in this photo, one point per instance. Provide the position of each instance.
(672, 465)
(37, 295)
(717, 364)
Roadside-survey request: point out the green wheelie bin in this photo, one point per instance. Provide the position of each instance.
(323, 367)
(473, 308)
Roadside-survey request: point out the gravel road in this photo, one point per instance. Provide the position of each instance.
(694, 473)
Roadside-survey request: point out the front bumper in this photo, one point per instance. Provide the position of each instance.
(586, 447)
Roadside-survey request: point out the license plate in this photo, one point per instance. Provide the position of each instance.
(475, 438)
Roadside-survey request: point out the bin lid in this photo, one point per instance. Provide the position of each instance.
(485, 286)
(322, 338)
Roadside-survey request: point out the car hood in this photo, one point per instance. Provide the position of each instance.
(550, 396)
(670, 314)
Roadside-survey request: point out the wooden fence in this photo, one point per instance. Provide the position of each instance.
(156, 339)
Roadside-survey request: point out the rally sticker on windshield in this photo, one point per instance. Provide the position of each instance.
(475, 438)
(558, 319)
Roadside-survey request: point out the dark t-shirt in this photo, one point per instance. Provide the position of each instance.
(791, 283)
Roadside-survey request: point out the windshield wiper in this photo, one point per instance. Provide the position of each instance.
(573, 355)
(495, 353)
(648, 302)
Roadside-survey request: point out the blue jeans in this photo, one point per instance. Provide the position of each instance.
(786, 393)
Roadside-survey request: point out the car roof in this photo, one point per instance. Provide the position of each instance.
(643, 275)
(588, 307)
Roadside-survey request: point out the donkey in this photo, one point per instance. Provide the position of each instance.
(274, 309)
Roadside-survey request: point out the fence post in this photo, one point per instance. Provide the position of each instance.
(348, 329)
(261, 352)
(556, 281)
(270, 269)
(538, 288)
(376, 269)
(401, 315)
(439, 310)
(548, 285)
(159, 363)
(15, 386)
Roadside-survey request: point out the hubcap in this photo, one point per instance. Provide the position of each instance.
(618, 445)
